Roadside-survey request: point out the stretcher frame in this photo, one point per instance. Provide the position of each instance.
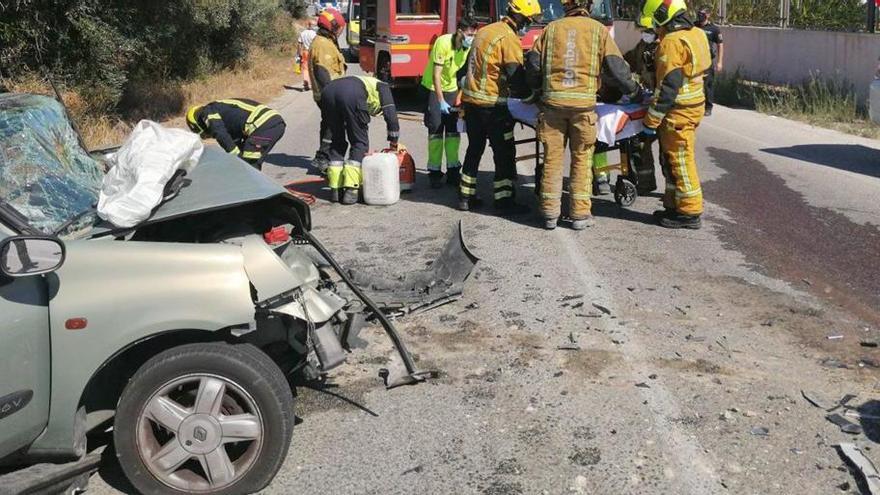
(626, 183)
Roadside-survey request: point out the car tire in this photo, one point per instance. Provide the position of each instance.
(227, 407)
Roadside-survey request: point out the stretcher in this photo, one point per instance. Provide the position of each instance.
(619, 128)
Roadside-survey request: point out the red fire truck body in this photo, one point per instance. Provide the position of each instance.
(396, 35)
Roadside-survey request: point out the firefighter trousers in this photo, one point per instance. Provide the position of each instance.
(344, 113)
(494, 124)
(260, 142)
(557, 126)
(442, 132)
(677, 135)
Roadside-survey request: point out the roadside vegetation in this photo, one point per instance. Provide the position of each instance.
(823, 102)
(116, 64)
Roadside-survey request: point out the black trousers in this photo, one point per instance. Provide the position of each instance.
(344, 112)
(261, 141)
(709, 87)
(437, 123)
(324, 141)
(494, 124)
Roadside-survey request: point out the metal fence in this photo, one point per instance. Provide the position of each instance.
(827, 15)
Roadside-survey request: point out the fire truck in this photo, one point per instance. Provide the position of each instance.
(396, 35)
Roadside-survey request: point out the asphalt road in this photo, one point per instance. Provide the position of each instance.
(692, 344)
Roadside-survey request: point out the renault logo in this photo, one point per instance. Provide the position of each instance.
(200, 434)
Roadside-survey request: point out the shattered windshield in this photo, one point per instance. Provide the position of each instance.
(45, 175)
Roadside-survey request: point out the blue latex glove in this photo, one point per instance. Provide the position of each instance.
(649, 133)
(445, 108)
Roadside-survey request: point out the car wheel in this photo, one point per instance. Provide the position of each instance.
(204, 418)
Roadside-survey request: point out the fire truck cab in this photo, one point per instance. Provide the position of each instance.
(396, 35)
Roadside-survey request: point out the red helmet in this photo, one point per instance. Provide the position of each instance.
(331, 20)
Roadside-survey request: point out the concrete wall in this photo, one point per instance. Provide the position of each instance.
(788, 55)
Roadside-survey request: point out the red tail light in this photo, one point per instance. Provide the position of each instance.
(276, 235)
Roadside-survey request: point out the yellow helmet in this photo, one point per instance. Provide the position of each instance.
(656, 13)
(192, 121)
(529, 9)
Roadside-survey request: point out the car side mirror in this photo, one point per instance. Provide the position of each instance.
(24, 256)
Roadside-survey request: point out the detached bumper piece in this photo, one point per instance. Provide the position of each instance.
(424, 290)
(421, 291)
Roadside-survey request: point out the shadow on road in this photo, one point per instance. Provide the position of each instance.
(448, 196)
(851, 157)
(292, 161)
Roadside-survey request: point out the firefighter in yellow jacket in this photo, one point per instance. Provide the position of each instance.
(681, 60)
(326, 63)
(495, 72)
(564, 67)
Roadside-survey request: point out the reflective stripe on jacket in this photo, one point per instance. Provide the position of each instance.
(572, 51)
(231, 121)
(494, 47)
(685, 51)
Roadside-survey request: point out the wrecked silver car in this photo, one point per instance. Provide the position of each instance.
(187, 326)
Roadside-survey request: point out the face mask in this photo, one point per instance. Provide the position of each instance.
(648, 37)
(467, 41)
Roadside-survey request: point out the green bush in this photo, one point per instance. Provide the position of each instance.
(818, 99)
(102, 47)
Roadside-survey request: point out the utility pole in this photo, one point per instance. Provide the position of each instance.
(871, 26)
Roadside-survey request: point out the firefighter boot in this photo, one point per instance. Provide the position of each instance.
(334, 180)
(681, 221)
(550, 223)
(583, 223)
(602, 186)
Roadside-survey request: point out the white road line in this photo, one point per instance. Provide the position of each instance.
(693, 469)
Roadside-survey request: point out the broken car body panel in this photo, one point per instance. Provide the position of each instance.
(130, 291)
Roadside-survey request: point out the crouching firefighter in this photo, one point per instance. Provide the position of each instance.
(565, 67)
(347, 104)
(682, 58)
(242, 127)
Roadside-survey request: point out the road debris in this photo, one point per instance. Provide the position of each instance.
(417, 469)
(694, 338)
(681, 310)
(571, 345)
(571, 298)
(642, 385)
(844, 424)
(760, 431)
(812, 399)
(866, 468)
(869, 343)
(602, 308)
(834, 337)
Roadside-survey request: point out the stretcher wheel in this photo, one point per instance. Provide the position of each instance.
(625, 193)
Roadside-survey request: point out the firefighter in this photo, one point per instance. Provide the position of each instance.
(565, 67)
(641, 59)
(347, 104)
(440, 82)
(326, 63)
(495, 72)
(679, 103)
(716, 48)
(242, 127)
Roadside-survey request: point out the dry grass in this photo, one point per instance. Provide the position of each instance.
(261, 78)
